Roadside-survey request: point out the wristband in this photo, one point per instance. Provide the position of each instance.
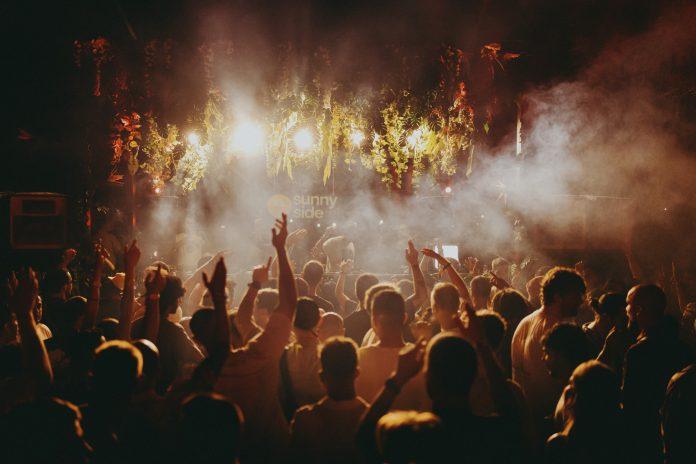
(392, 386)
(255, 285)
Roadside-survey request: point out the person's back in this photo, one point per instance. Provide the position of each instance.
(299, 364)
(678, 413)
(325, 431)
(357, 323)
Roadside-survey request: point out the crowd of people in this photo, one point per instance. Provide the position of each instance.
(459, 362)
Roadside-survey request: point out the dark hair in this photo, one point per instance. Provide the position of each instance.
(312, 272)
(302, 286)
(109, 328)
(210, 429)
(307, 314)
(117, 367)
(651, 297)
(201, 324)
(450, 366)
(597, 393)
(55, 280)
(362, 284)
(560, 281)
(69, 314)
(494, 326)
(611, 304)
(510, 304)
(169, 298)
(446, 296)
(267, 298)
(569, 341)
(389, 305)
(410, 437)
(481, 286)
(339, 357)
(151, 360)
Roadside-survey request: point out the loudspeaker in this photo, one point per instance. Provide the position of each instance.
(38, 221)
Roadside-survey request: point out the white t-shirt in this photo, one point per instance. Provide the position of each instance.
(250, 378)
(528, 369)
(303, 367)
(325, 431)
(376, 365)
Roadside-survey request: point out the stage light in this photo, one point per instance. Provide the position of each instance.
(333, 224)
(381, 221)
(304, 140)
(357, 137)
(193, 138)
(154, 253)
(448, 189)
(158, 190)
(290, 220)
(247, 138)
(318, 225)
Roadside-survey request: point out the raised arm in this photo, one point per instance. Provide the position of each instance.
(131, 256)
(154, 284)
(420, 294)
(35, 360)
(339, 291)
(243, 321)
(287, 292)
(454, 276)
(95, 287)
(216, 287)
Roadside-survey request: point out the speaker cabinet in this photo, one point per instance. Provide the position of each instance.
(38, 221)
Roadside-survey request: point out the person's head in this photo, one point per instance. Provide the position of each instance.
(70, 316)
(116, 370)
(480, 291)
(44, 430)
(57, 283)
(302, 286)
(330, 325)
(645, 305)
(450, 369)
(444, 300)
(611, 305)
(171, 295)
(563, 291)
(9, 330)
(265, 303)
(312, 272)
(494, 326)
(202, 327)
(38, 309)
(592, 395)
(409, 437)
(210, 429)
(339, 364)
(534, 291)
(405, 287)
(151, 362)
(510, 304)
(307, 314)
(501, 268)
(678, 412)
(388, 313)
(363, 283)
(373, 291)
(565, 347)
(109, 328)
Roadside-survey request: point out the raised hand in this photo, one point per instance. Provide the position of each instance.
(131, 255)
(259, 274)
(497, 281)
(280, 235)
(411, 254)
(24, 296)
(155, 281)
(434, 255)
(410, 362)
(471, 264)
(216, 284)
(68, 256)
(346, 266)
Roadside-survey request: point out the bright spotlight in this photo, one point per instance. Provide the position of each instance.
(193, 138)
(357, 137)
(304, 140)
(158, 190)
(247, 138)
(318, 224)
(448, 189)
(381, 221)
